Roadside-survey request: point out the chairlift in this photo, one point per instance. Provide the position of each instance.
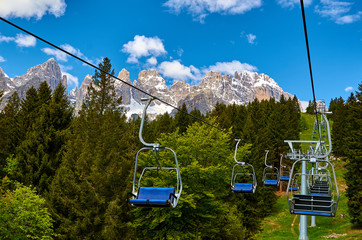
(322, 196)
(284, 170)
(294, 186)
(270, 173)
(321, 181)
(154, 196)
(246, 174)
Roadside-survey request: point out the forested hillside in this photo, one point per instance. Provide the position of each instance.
(74, 171)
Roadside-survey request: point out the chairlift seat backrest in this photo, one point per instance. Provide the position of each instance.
(314, 204)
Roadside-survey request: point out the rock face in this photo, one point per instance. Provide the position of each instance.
(243, 87)
(48, 71)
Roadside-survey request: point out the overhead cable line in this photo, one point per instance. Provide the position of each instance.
(310, 63)
(99, 69)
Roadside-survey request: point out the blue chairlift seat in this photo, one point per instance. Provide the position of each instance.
(319, 195)
(325, 214)
(293, 188)
(243, 187)
(153, 197)
(271, 183)
(284, 178)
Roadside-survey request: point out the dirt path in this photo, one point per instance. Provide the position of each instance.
(292, 225)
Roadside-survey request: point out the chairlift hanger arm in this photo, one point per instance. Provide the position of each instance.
(149, 101)
(266, 157)
(236, 150)
(281, 161)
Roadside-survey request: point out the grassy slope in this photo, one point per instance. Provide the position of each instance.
(280, 224)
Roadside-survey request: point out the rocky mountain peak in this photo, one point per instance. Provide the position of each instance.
(216, 82)
(179, 90)
(215, 87)
(213, 75)
(3, 74)
(48, 71)
(86, 82)
(49, 68)
(124, 75)
(151, 79)
(148, 73)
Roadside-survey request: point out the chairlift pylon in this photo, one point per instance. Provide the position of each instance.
(319, 193)
(248, 183)
(142, 196)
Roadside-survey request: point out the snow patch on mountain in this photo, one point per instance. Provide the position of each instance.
(137, 108)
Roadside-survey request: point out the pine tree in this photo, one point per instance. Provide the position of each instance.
(9, 129)
(29, 109)
(197, 113)
(182, 119)
(162, 124)
(310, 108)
(102, 93)
(353, 153)
(38, 155)
(339, 131)
(89, 190)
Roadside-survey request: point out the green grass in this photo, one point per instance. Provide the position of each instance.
(307, 124)
(278, 226)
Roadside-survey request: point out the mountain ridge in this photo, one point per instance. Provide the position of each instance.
(243, 87)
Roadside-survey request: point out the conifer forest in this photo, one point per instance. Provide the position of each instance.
(68, 175)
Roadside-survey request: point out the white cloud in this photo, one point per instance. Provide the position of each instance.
(348, 89)
(349, 18)
(2, 59)
(59, 55)
(251, 38)
(31, 8)
(230, 67)
(72, 81)
(152, 60)
(337, 11)
(63, 57)
(292, 3)
(176, 70)
(143, 46)
(6, 39)
(23, 40)
(199, 9)
(179, 52)
(72, 50)
(64, 68)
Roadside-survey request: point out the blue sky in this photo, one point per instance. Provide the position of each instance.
(183, 39)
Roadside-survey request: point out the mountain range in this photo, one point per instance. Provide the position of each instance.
(243, 87)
